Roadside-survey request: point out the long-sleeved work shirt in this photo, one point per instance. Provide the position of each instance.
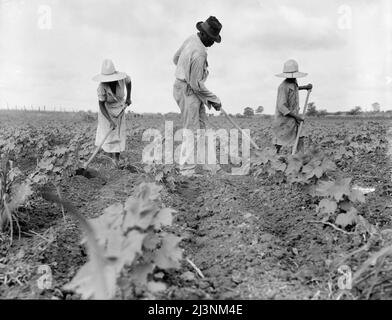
(192, 68)
(285, 127)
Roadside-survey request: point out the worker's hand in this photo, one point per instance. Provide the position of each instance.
(216, 106)
(299, 119)
(128, 102)
(112, 125)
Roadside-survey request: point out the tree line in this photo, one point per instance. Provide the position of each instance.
(312, 111)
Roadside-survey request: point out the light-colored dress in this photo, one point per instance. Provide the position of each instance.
(285, 128)
(115, 104)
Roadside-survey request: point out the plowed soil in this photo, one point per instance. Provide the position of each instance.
(251, 238)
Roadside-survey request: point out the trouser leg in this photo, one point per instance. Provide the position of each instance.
(189, 105)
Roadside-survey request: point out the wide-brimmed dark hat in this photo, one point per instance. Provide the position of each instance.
(212, 27)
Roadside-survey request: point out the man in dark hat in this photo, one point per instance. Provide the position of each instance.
(189, 89)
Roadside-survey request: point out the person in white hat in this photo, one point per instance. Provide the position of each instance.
(112, 105)
(287, 117)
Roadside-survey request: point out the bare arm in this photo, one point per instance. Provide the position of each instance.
(128, 100)
(307, 87)
(297, 117)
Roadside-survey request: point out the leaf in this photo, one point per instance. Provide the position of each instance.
(278, 165)
(46, 164)
(90, 282)
(60, 151)
(170, 253)
(294, 165)
(105, 224)
(139, 213)
(347, 219)
(334, 189)
(188, 276)
(357, 196)
(19, 194)
(14, 173)
(345, 205)
(313, 168)
(327, 206)
(140, 273)
(113, 244)
(262, 157)
(163, 218)
(131, 246)
(328, 165)
(155, 287)
(47, 154)
(151, 241)
(148, 191)
(159, 177)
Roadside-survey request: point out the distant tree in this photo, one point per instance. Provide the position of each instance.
(376, 107)
(260, 109)
(311, 111)
(322, 113)
(356, 111)
(239, 115)
(249, 112)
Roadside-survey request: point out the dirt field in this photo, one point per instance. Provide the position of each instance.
(252, 237)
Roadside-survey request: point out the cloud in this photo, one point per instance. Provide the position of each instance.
(285, 27)
(56, 66)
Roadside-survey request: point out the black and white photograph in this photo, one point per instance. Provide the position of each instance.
(213, 151)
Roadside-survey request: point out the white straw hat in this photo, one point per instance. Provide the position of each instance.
(290, 70)
(109, 73)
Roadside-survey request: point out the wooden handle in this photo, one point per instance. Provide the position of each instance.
(97, 149)
(301, 125)
(239, 128)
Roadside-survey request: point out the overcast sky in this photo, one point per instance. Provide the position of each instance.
(345, 46)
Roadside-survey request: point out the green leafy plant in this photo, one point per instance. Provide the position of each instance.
(14, 192)
(268, 161)
(61, 161)
(312, 170)
(164, 174)
(339, 197)
(129, 234)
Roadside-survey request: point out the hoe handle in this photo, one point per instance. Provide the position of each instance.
(239, 128)
(97, 149)
(301, 124)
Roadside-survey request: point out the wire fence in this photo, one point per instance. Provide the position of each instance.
(44, 108)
